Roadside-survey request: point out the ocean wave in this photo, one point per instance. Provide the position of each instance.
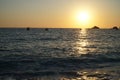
(35, 63)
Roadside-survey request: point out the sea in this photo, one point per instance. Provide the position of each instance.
(59, 54)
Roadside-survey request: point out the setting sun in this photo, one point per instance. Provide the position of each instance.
(83, 17)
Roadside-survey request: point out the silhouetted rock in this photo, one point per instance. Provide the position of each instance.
(115, 27)
(95, 27)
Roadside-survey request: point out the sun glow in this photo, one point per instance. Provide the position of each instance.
(83, 17)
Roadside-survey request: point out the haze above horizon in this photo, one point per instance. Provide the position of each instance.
(59, 13)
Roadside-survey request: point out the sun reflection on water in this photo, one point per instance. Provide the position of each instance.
(83, 37)
(82, 43)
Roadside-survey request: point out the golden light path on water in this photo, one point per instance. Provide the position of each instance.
(81, 43)
(83, 35)
(85, 44)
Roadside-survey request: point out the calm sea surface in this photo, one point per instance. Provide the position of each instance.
(71, 53)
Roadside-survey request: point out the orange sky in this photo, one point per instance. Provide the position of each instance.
(59, 13)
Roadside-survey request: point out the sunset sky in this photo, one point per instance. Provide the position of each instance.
(60, 13)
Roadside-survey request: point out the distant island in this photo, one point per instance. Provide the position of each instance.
(115, 28)
(95, 27)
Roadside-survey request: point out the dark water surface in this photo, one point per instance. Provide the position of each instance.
(59, 54)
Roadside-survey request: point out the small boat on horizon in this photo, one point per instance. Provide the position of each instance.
(46, 29)
(27, 28)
